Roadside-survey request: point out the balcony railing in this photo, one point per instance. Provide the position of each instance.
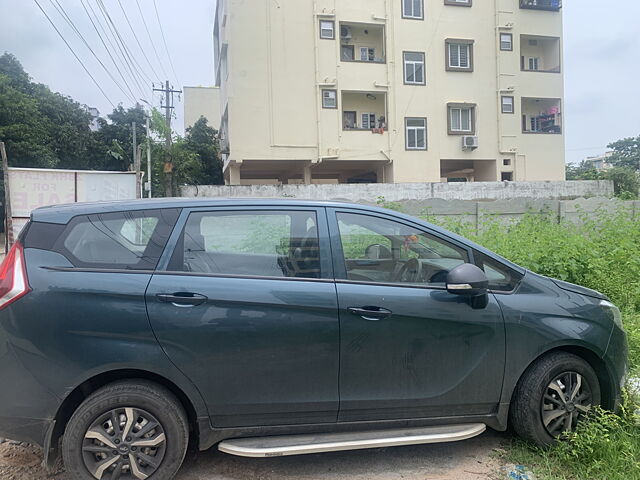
(551, 5)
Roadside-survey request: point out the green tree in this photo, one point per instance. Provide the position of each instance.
(583, 171)
(626, 182)
(626, 152)
(40, 128)
(202, 140)
(113, 147)
(44, 129)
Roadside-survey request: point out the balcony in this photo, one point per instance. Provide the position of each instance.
(364, 111)
(550, 5)
(539, 54)
(361, 42)
(541, 115)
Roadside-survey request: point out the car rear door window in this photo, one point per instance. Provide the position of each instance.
(121, 240)
(254, 243)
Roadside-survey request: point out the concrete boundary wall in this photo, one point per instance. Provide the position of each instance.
(438, 210)
(399, 192)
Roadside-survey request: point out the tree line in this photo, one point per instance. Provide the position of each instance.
(624, 168)
(46, 129)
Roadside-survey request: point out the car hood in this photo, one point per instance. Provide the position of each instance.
(571, 287)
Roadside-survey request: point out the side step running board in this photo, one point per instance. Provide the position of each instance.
(278, 446)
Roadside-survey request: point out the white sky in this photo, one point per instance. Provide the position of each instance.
(601, 58)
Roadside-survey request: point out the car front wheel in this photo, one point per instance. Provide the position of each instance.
(553, 395)
(130, 430)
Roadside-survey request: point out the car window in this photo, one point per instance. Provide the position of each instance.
(130, 240)
(255, 243)
(501, 278)
(378, 250)
(137, 232)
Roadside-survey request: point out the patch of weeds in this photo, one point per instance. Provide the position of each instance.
(606, 446)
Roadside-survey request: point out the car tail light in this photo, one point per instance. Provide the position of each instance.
(13, 276)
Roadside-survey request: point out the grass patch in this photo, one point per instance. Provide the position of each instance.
(607, 447)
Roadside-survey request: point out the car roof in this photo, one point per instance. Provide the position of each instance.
(62, 214)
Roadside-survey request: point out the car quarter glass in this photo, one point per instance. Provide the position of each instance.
(121, 240)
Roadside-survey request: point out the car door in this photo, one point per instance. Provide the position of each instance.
(408, 348)
(246, 307)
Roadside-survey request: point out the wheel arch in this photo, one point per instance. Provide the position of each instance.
(73, 400)
(595, 361)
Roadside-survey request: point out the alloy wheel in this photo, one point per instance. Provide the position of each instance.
(124, 444)
(566, 400)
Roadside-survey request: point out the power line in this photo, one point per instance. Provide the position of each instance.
(132, 58)
(119, 43)
(74, 53)
(68, 19)
(104, 44)
(151, 40)
(164, 40)
(117, 49)
(137, 40)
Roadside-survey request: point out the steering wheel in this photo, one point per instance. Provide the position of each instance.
(411, 272)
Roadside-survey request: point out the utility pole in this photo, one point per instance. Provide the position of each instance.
(168, 164)
(7, 201)
(136, 158)
(148, 157)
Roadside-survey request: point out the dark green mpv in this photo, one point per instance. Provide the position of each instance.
(276, 327)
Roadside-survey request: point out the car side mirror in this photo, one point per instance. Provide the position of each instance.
(467, 280)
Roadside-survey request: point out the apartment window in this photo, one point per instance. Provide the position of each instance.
(461, 119)
(459, 55)
(535, 124)
(460, 3)
(327, 29)
(416, 133)
(506, 42)
(329, 99)
(347, 53)
(508, 104)
(541, 115)
(533, 63)
(414, 68)
(506, 162)
(367, 54)
(507, 176)
(368, 121)
(413, 9)
(349, 120)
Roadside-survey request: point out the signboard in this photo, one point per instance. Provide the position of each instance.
(31, 188)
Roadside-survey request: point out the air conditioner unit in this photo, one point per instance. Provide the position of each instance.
(469, 142)
(345, 33)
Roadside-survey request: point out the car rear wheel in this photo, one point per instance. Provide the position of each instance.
(126, 431)
(553, 395)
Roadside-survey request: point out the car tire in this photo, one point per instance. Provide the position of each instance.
(554, 393)
(138, 427)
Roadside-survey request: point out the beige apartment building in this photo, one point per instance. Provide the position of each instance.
(352, 91)
(201, 102)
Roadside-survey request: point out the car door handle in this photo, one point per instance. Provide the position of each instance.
(182, 299)
(372, 314)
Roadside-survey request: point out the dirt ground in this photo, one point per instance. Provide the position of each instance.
(473, 459)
